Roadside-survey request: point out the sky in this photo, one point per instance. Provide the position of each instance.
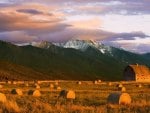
(120, 23)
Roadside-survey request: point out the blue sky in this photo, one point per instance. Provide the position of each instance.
(121, 23)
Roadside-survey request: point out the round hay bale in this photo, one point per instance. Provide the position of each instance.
(110, 84)
(2, 98)
(95, 82)
(37, 86)
(139, 86)
(99, 80)
(56, 83)
(125, 99)
(9, 82)
(1, 86)
(67, 94)
(79, 82)
(17, 91)
(58, 88)
(119, 85)
(119, 98)
(35, 93)
(39, 82)
(51, 86)
(122, 89)
(70, 94)
(27, 84)
(14, 82)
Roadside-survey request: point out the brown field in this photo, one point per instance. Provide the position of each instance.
(91, 97)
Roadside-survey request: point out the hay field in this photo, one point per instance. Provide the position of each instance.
(90, 97)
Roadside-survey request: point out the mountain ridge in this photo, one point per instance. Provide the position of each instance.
(57, 62)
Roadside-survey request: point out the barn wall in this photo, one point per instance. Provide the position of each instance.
(129, 74)
(141, 78)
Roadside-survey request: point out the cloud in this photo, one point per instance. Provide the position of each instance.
(30, 11)
(136, 42)
(84, 23)
(111, 21)
(75, 33)
(126, 36)
(133, 7)
(14, 21)
(17, 37)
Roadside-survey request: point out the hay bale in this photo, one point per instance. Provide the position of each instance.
(122, 89)
(79, 82)
(27, 84)
(67, 94)
(9, 82)
(70, 94)
(139, 86)
(58, 88)
(17, 91)
(51, 86)
(35, 93)
(37, 86)
(39, 82)
(56, 83)
(119, 85)
(20, 82)
(14, 82)
(1, 86)
(99, 80)
(95, 82)
(2, 98)
(119, 99)
(110, 84)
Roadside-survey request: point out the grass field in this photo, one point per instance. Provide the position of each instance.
(90, 98)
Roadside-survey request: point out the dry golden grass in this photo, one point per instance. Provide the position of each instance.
(1, 86)
(11, 107)
(2, 98)
(89, 98)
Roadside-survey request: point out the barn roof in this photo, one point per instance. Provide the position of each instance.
(140, 69)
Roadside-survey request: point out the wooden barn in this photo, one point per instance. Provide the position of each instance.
(139, 73)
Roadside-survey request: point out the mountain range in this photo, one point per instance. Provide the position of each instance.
(71, 60)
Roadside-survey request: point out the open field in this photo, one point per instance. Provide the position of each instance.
(90, 97)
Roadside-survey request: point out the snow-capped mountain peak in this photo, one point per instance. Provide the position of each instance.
(84, 44)
(43, 44)
(78, 44)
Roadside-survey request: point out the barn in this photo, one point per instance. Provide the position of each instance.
(139, 73)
